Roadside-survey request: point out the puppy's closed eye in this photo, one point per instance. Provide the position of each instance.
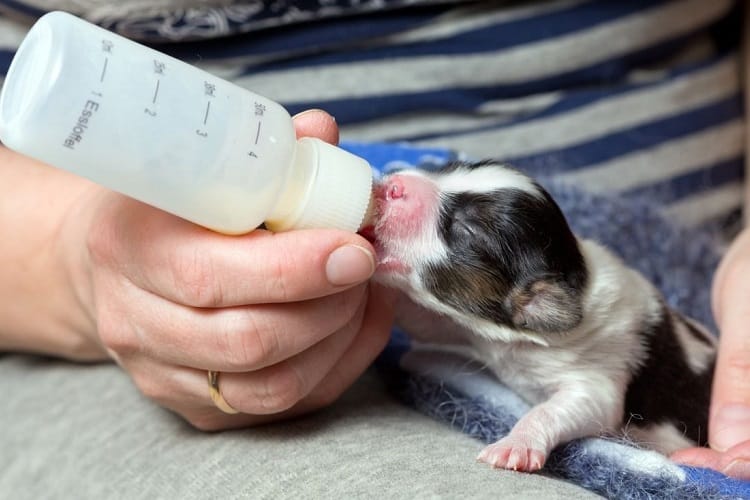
(564, 322)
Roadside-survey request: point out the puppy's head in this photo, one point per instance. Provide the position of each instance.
(481, 242)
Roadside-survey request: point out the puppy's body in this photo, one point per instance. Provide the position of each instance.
(583, 338)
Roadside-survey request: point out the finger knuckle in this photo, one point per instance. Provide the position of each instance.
(195, 277)
(293, 269)
(247, 344)
(277, 279)
(117, 335)
(738, 370)
(151, 387)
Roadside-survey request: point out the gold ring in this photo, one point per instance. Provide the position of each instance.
(216, 397)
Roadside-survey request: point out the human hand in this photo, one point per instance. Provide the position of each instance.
(729, 425)
(287, 319)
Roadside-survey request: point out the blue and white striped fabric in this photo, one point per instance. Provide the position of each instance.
(440, 382)
(640, 98)
(625, 108)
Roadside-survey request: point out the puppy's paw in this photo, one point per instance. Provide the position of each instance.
(513, 453)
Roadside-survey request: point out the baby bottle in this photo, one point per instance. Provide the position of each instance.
(147, 125)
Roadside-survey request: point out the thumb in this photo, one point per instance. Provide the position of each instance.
(730, 406)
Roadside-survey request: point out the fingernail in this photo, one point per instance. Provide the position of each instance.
(738, 468)
(307, 112)
(730, 426)
(349, 264)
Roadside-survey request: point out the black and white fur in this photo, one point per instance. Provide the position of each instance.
(486, 258)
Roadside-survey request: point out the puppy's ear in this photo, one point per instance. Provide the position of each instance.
(545, 306)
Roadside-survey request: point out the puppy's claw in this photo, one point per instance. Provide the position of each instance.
(512, 457)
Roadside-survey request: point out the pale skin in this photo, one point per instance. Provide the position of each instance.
(729, 426)
(289, 319)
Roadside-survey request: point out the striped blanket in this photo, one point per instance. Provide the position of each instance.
(638, 98)
(442, 383)
(629, 111)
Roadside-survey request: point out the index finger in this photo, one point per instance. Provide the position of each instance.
(316, 123)
(190, 265)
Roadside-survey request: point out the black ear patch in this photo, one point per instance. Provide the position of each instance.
(545, 306)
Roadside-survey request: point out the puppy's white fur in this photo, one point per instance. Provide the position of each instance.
(576, 379)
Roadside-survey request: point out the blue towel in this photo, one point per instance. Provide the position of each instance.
(457, 391)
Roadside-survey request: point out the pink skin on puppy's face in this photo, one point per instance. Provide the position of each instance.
(406, 208)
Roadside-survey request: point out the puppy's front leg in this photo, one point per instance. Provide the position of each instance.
(569, 414)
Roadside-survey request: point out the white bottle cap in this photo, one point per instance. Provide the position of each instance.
(338, 192)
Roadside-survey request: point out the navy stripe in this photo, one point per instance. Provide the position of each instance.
(303, 38)
(681, 186)
(641, 136)
(499, 36)
(466, 100)
(6, 56)
(22, 8)
(580, 98)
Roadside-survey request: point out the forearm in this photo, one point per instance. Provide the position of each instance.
(40, 308)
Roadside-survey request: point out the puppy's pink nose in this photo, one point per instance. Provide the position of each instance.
(395, 189)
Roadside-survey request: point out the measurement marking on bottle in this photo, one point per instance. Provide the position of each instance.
(257, 134)
(104, 69)
(208, 108)
(156, 92)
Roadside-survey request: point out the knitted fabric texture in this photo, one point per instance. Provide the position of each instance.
(442, 384)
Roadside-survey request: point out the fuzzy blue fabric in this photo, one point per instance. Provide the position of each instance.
(442, 384)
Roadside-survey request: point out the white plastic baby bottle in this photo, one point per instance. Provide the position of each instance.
(137, 121)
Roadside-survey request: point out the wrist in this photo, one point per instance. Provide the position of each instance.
(75, 263)
(40, 310)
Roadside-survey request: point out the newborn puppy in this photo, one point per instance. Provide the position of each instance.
(488, 259)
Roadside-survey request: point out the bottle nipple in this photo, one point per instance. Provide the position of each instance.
(339, 189)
